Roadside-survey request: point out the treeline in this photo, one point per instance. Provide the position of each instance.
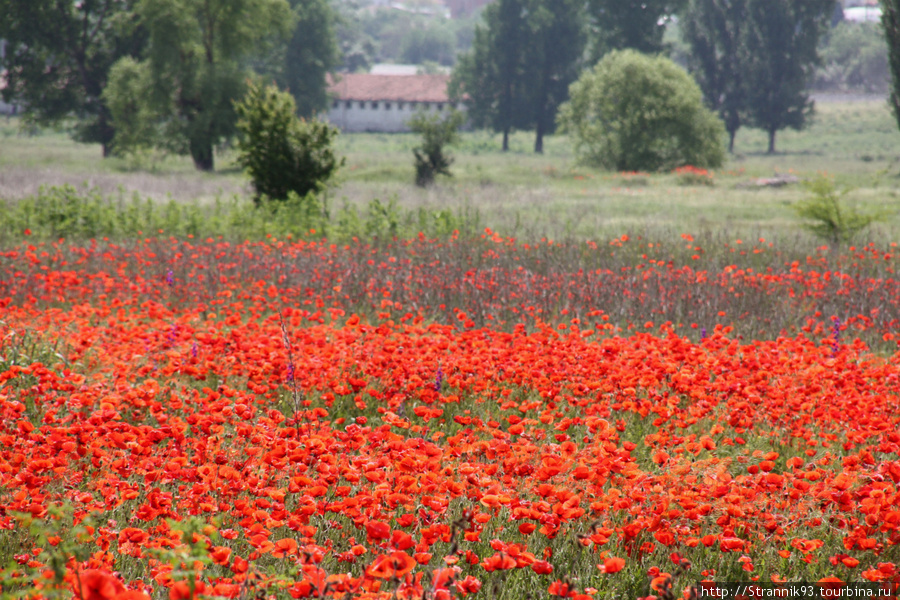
(136, 74)
(139, 74)
(755, 60)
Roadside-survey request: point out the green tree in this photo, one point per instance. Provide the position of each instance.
(781, 44)
(281, 153)
(437, 133)
(521, 64)
(634, 112)
(635, 24)
(493, 74)
(714, 30)
(554, 51)
(890, 21)
(58, 58)
(136, 124)
(356, 47)
(311, 54)
(855, 57)
(431, 43)
(195, 66)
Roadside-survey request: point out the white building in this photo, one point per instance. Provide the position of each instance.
(383, 103)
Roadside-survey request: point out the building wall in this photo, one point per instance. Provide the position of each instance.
(379, 116)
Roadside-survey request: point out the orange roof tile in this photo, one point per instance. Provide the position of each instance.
(399, 88)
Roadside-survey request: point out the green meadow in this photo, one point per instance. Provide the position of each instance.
(520, 194)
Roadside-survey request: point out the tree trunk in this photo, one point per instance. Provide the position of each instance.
(772, 141)
(506, 140)
(731, 134)
(539, 137)
(107, 150)
(202, 153)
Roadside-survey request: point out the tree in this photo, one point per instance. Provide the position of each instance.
(635, 24)
(554, 51)
(781, 45)
(714, 30)
(855, 57)
(437, 133)
(430, 43)
(58, 57)
(194, 66)
(521, 64)
(635, 112)
(312, 53)
(281, 153)
(890, 21)
(493, 74)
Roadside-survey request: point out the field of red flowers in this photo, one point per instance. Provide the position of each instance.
(479, 418)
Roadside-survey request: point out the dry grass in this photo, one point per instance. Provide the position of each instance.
(19, 182)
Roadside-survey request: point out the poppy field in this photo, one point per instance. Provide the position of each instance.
(437, 419)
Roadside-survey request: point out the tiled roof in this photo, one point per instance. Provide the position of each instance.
(399, 88)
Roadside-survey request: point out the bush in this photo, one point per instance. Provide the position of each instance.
(437, 133)
(827, 217)
(281, 153)
(634, 112)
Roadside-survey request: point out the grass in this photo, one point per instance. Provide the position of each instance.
(522, 194)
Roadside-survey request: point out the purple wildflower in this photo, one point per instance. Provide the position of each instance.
(438, 379)
(290, 373)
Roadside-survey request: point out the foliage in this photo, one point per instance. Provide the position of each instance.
(826, 216)
(281, 153)
(854, 57)
(629, 24)
(58, 56)
(781, 46)
(434, 42)
(555, 50)
(81, 214)
(358, 49)
(195, 63)
(136, 124)
(890, 22)
(312, 52)
(521, 64)
(493, 74)
(714, 30)
(755, 59)
(438, 132)
(634, 112)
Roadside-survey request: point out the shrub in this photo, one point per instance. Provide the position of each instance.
(827, 217)
(634, 112)
(282, 153)
(437, 133)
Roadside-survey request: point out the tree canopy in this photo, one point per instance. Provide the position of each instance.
(312, 53)
(58, 57)
(714, 31)
(524, 56)
(782, 40)
(756, 59)
(195, 66)
(636, 24)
